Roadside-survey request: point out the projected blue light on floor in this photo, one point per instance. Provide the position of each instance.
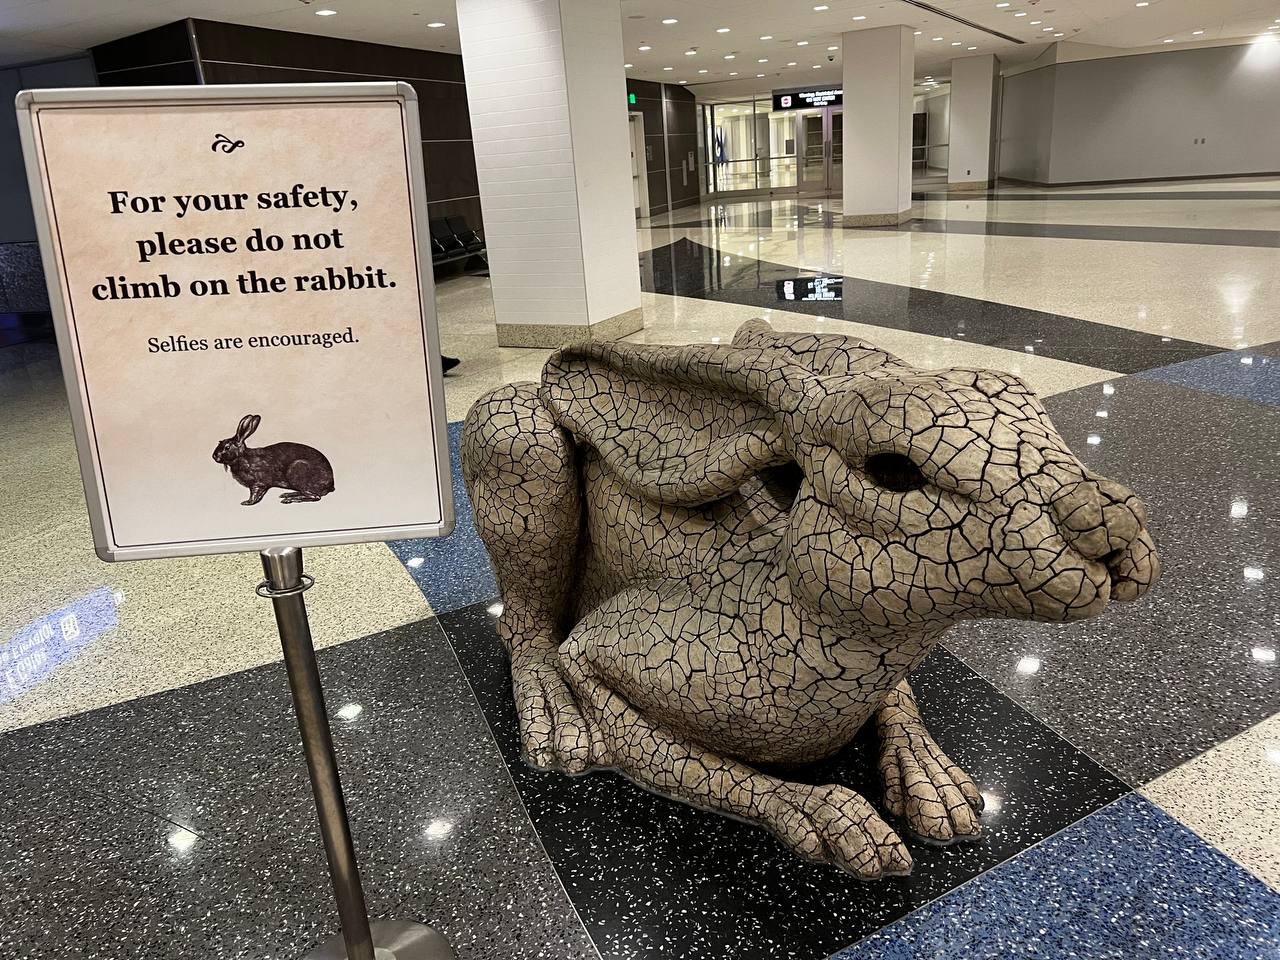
(35, 651)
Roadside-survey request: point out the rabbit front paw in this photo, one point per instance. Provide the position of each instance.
(834, 825)
(553, 733)
(937, 800)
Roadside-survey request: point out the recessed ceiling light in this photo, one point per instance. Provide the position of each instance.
(918, 32)
(668, 68)
(859, 17)
(833, 48)
(1046, 29)
(1196, 33)
(971, 48)
(767, 36)
(791, 63)
(436, 25)
(1142, 3)
(684, 81)
(1059, 34)
(763, 60)
(817, 66)
(802, 43)
(1170, 40)
(820, 7)
(759, 76)
(334, 13)
(702, 71)
(733, 73)
(627, 66)
(730, 56)
(722, 29)
(644, 48)
(1035, 23)
(936, 39)
(955, 43)
(670, 20)
(1021, 13)
(1002, 4)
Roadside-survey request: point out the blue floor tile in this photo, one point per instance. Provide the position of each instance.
(1126, 882)
(1250, 374)
(453, 572)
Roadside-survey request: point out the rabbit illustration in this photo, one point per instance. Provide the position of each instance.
(718, 557)
(303, 471)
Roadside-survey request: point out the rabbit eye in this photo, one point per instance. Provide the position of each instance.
(894, 472)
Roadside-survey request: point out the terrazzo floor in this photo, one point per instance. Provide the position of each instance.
(153, 802)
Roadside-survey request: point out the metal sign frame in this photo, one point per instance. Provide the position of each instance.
(29, 102)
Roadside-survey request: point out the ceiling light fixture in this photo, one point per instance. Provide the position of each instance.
(955, 43)
(767, 36)
(691, 53)
(722, 29)
(859, 17)
(1001, 6)
(669, 21)
(971, 48)
(730, 56)
(791, 63)
(627, 66)
(644, 48)
(1196, 33)
(668, 68)
(1059, 34)
(817, 66)
(936, 39)
(334, 13)
(1142, 3)
(918, 32)
(684, 81)
(833, 48)
(1021, 13)
(759, 76)
(1046, 29)
(820, 7)
(733, 73)
(1035, 23)
(702, 71)
(802, 43)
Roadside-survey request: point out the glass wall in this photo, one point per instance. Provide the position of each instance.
(749, 146)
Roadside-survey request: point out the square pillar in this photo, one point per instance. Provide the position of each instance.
(879, 69)
(973, 102)
(548, 101)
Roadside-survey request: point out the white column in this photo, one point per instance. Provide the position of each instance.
(879, 67)
(973, 100)
(548, 102)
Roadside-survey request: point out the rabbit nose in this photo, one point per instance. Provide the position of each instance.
(1099, 518)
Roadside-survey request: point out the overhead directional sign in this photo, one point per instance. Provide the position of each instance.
(800, 99)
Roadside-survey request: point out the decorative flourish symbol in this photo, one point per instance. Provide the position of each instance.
(225, 144)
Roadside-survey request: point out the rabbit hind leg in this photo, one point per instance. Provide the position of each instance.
(520, 472)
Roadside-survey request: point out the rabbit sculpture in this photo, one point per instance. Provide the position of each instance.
(716, 557)
(303, 472)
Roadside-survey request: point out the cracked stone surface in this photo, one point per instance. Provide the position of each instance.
(715, 559)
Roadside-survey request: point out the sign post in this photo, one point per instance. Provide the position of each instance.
(208, 246)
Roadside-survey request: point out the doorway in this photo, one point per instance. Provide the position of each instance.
(820, 136)
(639, 168)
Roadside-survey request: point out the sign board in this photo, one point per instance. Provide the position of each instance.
(241, 284)
(801, 99)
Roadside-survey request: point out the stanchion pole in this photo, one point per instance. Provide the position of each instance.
(384, 940)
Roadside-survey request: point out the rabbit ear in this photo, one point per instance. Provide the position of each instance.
(248, 424)
(828, 354)
(683, 425)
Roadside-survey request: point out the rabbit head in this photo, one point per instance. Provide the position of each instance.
(230, 450)
(923, 497)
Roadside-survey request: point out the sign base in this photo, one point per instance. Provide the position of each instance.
(392, 940)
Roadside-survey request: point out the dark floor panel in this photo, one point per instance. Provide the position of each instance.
(690, 269)
(441, 832)
(651, 877)
(1150, 685)
(1091, 231)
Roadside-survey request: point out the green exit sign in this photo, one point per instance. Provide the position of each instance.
(631, 98)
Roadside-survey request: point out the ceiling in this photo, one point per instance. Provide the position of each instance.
(723, 64)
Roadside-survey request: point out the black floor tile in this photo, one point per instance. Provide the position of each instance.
(651, 877)
(1152, 684)
(690, 269)
(1215, 236)
(440, 830)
